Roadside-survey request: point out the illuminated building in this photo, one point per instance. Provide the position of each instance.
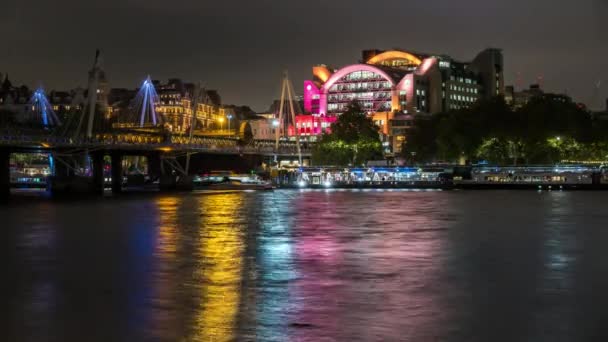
(175, 105)
(518, 99)
(311, 126)
(398, 128)
(393, 82)
(264, 128)
(14, 99)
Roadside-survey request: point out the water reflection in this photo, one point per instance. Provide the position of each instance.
(275, 270)
(310, 266)
(219, 273)
(367, 277)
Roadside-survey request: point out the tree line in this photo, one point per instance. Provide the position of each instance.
(548, 129)
(354, 139)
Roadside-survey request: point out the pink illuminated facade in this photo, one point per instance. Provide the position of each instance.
(400, 81)
(396, 82)
(311, 126)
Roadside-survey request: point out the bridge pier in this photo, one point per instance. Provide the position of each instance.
(116, 172)
(60, 167)
(98, 179)
(5, 175)
(154, 165)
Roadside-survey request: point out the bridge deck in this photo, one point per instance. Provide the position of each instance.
(150, 142)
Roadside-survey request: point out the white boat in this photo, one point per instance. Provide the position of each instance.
(232, 182)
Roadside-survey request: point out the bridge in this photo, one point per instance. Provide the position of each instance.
(125, 140)
(79, 146)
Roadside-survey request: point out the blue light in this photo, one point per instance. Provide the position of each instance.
(145, 104)
(52, 163)
(42, 109)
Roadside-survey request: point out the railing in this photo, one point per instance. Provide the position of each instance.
(152, 141)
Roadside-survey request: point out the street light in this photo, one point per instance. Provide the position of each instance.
(229, 116)
(221, 119)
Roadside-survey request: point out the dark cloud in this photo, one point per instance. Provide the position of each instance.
(240, 47)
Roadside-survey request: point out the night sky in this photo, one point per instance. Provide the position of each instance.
(240, 47)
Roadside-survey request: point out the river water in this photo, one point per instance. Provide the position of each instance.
(308, 266)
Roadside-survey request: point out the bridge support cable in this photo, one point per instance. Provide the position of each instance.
(42, 111)
(83, 124)
(62, 168)
(287, 94)
(292, 96)
(198, 94)
(144, 109)
(174, 164)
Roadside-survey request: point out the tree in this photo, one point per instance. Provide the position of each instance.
(354, 139)
(546, 130)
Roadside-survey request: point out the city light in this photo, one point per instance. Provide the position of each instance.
(229, 116)
(41, 106)
(301, 184)
(145, 103)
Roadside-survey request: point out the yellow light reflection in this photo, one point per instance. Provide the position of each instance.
(164, 324)
(167, 244)
(222, 252)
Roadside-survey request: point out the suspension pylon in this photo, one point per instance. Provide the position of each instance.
(41, 110)
(87, 116)
(144, 105)
(287, 94)
(198, 94)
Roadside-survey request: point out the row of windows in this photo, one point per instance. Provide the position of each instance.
(367, 105)
(361, 75)
(363, 95)
(463, 98)
(360, 86)
(313, 124)
(265, 131)
(463, 89)
(66, 107)
(463, 80)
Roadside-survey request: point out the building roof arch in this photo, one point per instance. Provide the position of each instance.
(354, 68)
(394, 54)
